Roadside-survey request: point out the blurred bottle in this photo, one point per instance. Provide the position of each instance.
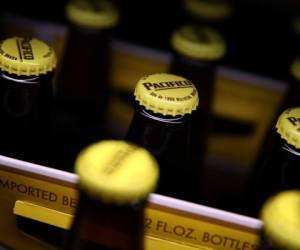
(29, 19)
(291, 98)
(26, 94)
(113, 187)
(162, 123)
(280, 215)
(293, 93)
(295, 32)
(196, 53)
(82, 86)
(213, 13)
(279, 170)
(218, 15)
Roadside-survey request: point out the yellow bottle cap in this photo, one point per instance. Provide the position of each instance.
(116, 171)
(281, 218)
(288, 126)
(196, 42)
(295, 68)
(166, 94)
(213, 10)
(99, 14)
(26, 56)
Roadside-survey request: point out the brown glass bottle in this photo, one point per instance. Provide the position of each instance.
(113, 187)
(295, 32)
(281, 225)
(196, 53)
(26, 94)
(279, 170)
(212, 13)
(290, 99)
(162, 123)
(82, 86)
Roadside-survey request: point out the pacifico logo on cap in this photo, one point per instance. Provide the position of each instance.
(167, 94)
(25, 49)
(167, 85)
(288, 126)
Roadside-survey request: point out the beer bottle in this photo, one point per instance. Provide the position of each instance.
(293, 93)
(213, 13)
(196, 53)
(294, 32)
(115, 179)
(280, 215)
(279, 171)
(291, 98)
(26, 93)
(161, 123)
(82, 86)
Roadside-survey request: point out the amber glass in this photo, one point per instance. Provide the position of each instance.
(98, 225)
(268, 244)
(82, 92)
(169, 139)
(290, 99)
(26, 117)
(202, 74)
(220, 22)
(279, 171)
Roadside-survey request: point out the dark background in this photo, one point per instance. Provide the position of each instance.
(259, 34)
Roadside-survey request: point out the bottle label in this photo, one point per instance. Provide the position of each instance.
(197, 232)
(165, 219)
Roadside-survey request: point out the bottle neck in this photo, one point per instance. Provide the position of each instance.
(166, 119)
(26, 110)
(169, 140)
(157, 133)
(283, 161)
(98, 225)
(290, 149)
(279, 171)
(86, 59)
(22, 79)
(267, 243)
(26, 99)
